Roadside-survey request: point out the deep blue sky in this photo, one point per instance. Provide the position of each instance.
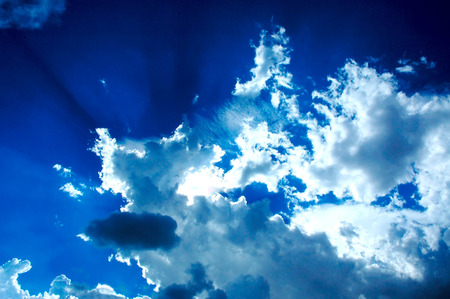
(154, 58)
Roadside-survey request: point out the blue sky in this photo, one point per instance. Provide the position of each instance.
(219, 149)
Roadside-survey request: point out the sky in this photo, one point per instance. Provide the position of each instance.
(224, 149)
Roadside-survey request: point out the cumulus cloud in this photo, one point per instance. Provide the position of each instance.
(61, 286)
(374, 138)
(373, 134)
(134, 231)
(363, 138)
(28, 14)
(9, 272)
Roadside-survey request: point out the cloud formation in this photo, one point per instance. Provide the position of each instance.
(29, 14)
(61, 286)
(134, 231)
(9, 272)
(361, 140)
(364, 139)
(374, 138)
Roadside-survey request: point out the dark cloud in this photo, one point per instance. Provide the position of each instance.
(435, 283)
(135, 231)
(254, 222)
(196, 285)
(28, 14)
(217, 294)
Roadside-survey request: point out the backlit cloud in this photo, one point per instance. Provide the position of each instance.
(366, 138)
(360, 177)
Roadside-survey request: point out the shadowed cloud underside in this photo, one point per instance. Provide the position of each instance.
(134, 231)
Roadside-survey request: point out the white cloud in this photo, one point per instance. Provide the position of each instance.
(271, 56)
(71, 190)
(69, 187)
(367, 137)
(83, 237)
(63, 171)
(383, 237)
(29, 15)
(105, 147)
(61, 286)
(373, 134)
(234, 239)
(375, 138)
(258, 160)
(9, 272)
(405, 69)
(231, 239)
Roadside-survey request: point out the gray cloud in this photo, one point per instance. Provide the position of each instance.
(196, 285)
(28, 14)
(248, 287)
(134, 231)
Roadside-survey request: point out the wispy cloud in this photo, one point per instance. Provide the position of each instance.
(29, 14)
(271, 56)
(63, 171)
(405, 69)
(71, 190)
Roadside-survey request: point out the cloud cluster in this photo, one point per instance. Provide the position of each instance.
(407, 66)
(360, 141)
(69, 187)
(366, 137)
(373, 138)
(61, 286)
(29, 14)
(63, 171)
